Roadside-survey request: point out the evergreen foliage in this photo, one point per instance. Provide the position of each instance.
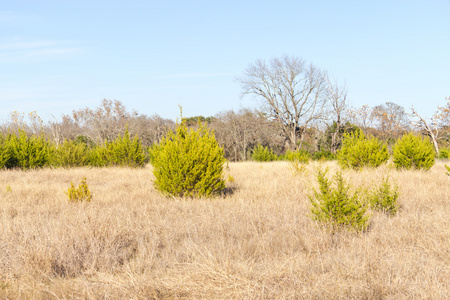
(80, 193)
(448, 169)
(188, 163)
(193, 121)
(5, 152)
(358, 151)
(324, 155)
(337, 205)
(99, 156)
(28, 152)
(126, 152)
(263, 154)
(326, 141)
(123, 152)
(412, 151)
(70, 154)
(444, 153)
(298, 160)
(82, 139)
(298, 155)
(384, 198)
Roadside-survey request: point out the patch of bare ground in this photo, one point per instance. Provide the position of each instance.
(256, 242)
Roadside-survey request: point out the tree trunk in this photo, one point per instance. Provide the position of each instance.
(435, 144)
(334, 137)
(293, 140)
(429, 131)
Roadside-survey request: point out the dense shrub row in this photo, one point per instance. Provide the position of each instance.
(359, 151)
(26, 151)
(263, 154)
(21, 151)
(35, 151)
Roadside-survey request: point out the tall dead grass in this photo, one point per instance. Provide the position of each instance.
(255, 242)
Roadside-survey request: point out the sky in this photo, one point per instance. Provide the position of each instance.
(58, 56)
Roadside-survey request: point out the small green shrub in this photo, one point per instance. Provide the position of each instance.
(412, 151)
(298, 155)
(70, 154)
(324, 155)
(82, 139)
(123, 152)
(358, 151)
(444, 153)
(338, 206)
(231, 178)
(189, 163)
(99, 156)
(384, 198)
(5, 152)
(448, 169)
(298, 160)
(263, 154)
(28, 152)
(80, 193)
(126, 152)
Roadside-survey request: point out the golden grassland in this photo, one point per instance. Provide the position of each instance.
(256, 241)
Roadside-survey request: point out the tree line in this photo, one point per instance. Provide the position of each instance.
(300, 108)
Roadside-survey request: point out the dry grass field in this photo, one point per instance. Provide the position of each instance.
(255, 242)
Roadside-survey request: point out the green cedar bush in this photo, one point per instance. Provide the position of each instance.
(188, 163)
(298, 155)
(5, 151)
(358, 151)
(80, 193)
(28, 152)
(123, 152)
(126, 152)
(298, 160)
(412, 151)
(70, 154)
(324, 155)
(99, 156)
(82, 139)
(444, 153)
(262, 154)
(384, 198)
(338, 206)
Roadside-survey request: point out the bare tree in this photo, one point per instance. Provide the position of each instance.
(151, 129)
(238, 132)
(362, 117)
(338, 101)
(109, 120)
(105, 122)
(432, 131)
(391, 120)
(442, 117)
(55, 131)
(30, 123)
(293, 93)
(440, 123)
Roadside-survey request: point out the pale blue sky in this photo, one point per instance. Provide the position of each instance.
(56, 56)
